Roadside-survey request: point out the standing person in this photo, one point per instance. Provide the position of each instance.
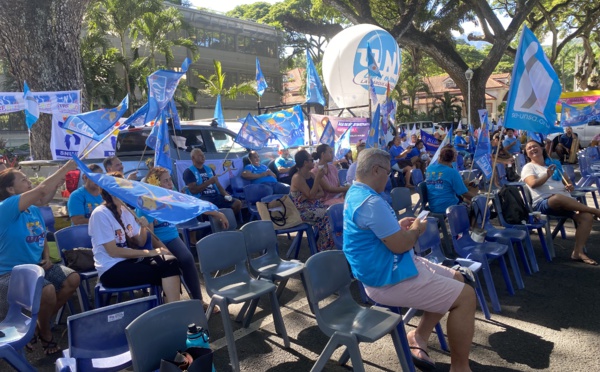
(306, 192)
(284, 164)
(85, 199)
(330, 182)
(511, 143)
(550, 196)
(256, 172)
(114, 164)
(23, 241)
(399, 160)
(115, 238)
(168, 234)
(460, 144)
(379, 250)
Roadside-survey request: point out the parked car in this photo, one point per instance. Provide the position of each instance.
(585, 132)
(426, 126)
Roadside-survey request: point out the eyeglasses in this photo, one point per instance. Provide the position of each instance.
(389, 171)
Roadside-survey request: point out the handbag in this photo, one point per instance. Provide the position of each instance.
(282, 212)
(79, 259)
(193, 359)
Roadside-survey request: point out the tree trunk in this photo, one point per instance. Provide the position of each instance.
(41, 41)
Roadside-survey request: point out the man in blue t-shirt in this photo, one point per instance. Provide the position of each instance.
(511, 143)
(284, 164)
(83, 200)
(255, 172)
(565, 141)
(460, 144)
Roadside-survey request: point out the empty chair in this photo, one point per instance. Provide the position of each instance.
(402, 201)
(584, 185)
(191, 226)
(254, 193)
(170, 321)
(343, 320)
(416, 177)
(227, 251)
(97, 339)
(336, 224)
(24, 294)
(215, 224)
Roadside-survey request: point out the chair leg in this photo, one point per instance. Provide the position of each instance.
(279, 325)
(404, 342)
(548, 252)
(409, 315)
(15, 359)
(523, 256)
(481, 298)
(441, 337)
(312, 243)
(489, 282)
(295, 246)
(532, 260)
(228, 329)
(512, 258)
(280, 287)
(334, 342)
(352, 352)
(252, 305)
(403, 358)
(506, 275)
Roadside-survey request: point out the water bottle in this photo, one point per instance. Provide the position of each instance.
(197, 337)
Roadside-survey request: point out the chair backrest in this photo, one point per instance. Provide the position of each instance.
(342, 173)
(458, 219)
(237, 184)
(224, 250)
(402, 201)
(422, 189)
(256, 191)
(501, 173)
(270, 198)
(460, 162)
(273, 168)
(326, 273)
(261, 244)
(48, 217)
(481, 212)
(72, 237)
(100, 333)
(417, 176)
(160, 332)
(570, 172)
(336, 223)
(519, 161)
(429, 243)
(215, 224)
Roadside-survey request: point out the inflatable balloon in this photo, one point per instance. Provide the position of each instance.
(345, 64)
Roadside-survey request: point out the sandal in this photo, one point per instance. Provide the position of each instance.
(29, 346)
(50, 347)
(215, 310)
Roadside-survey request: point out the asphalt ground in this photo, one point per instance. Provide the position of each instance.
(551, 325)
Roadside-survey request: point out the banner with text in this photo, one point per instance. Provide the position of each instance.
(358, 132)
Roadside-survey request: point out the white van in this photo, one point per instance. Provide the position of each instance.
(426, 126)
(585, 132)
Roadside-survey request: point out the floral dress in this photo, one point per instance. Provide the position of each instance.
(314, 212)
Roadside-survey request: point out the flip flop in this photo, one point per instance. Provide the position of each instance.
(422, 364)
(50, 347)
(215, 310)
(587, 261)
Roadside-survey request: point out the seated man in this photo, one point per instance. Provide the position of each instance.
(379, 250)
(565, 142)
(202, 183)
(114, 164)
(256, 172)
(83, 200)
(460, 144)
(399, 160)
(511, 143)
(284, 164)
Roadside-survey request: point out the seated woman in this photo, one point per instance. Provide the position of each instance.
(330, 182)
(168, 234)
(306, 193)
(115, 236)
(399, 160)
(23, 241)
(551, 196)
(444, 182)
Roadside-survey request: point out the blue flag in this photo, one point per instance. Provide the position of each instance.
(261, 83)
(219, 112)
(252, 135)
(95, 123)
(161, 87)
(536, 137)
(534, 89)
(372, 65)
(138, 118)
(572, 116)
(159, 140)
(431, 143)
(328, 135)
(472, 141)
(483, 152)
(173, 114)
(285, 125)
(373, 137)
(447, 140)
(342, 146)
(32, 109)
(314, 88)
(162, 204)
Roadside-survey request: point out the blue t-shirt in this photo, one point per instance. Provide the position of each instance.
(513, 150)
(193, 174)
(413, 152)
(458, 140)
(82, 203)
(395, 151)
(22, 235)
(443, 184)
(165, 231)
(566, 141)
(282, 162)
(257, 170)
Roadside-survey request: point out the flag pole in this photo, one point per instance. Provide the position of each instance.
(473, 160)
(487, 197)
(29, 138)
(83, 156)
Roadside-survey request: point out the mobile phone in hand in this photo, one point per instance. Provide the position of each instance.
(422, 216)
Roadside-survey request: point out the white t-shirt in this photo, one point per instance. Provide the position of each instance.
(549, 188)
(104, 228)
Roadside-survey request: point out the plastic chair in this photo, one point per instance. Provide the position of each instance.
(254, 193)
(48, 217)
(263, 257)
(191, 226)
(160, 332)
(224, 251)
(416, 177)
(343, 320)
(583, 185)
(237, 186)
(480, 252)
(336, 223)
(24, 294)
(401, 200)
(97, 339)
(342, 173)
(215, 224)
(77, 237)
(441, 217)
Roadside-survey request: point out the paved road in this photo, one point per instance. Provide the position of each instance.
(552, 325)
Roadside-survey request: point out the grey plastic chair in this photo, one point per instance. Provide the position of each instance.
(401, 200)
(215, 224)
(343, 320)
(222, 251)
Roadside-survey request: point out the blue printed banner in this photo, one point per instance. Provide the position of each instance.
(328, 136)
(483, 152)
(431, 143)
(252, 135)
(159, 140)
(342, 146)
(32, 109)
(314, 88)
(93, 123)
(285, 125)
(373, 137)
(162, 204)
(161, 87)
(572, 116)
(261, 83)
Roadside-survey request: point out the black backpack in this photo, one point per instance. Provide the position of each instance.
(513, 207)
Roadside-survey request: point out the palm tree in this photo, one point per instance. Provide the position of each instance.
(446, 108)
(214, 85)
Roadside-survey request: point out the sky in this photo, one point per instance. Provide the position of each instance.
(226, 5)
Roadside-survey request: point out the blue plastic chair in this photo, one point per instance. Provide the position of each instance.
(584, 185)
(441, 217)
(24, 294)
(97, 339)
(342, 173)
(191, 226)
(402, 201)
(77, 237)
(416, 177)
(458, 219)
(336, 223)
(215, 225)
(237, 184)
(48, 217)
(254, 193)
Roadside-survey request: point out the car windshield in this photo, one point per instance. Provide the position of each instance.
(224, 142)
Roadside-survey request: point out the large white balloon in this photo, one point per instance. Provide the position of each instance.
(345, 64)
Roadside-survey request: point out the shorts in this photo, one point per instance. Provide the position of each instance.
(218, 200)
(544, 207)
(433, 290)
(401, 164)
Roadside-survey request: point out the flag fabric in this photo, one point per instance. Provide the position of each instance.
(386, 109)
(447, 140)
(287, 126)
(483, 152)
(328, 135)
(472, 141)
(161, 87)
(218, 115)
(572, 116)
(314, 88)
(499, 123)
(373, 137)
(173, 114)
(159, 140)
(138, 118)
(261, 83)
(372, 65)
(252, 135)
(162, 204)
(342, 146)
(534, 89)
(536, 137)
(483, 117)
(32, 109)
(95, 123)
(430, 142)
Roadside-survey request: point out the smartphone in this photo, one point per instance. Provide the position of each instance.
(422, 216)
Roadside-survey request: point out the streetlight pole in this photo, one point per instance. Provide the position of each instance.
(469, 76)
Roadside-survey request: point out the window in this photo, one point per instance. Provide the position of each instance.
(224, 142)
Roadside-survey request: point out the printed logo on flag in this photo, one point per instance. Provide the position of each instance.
(158, 86)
